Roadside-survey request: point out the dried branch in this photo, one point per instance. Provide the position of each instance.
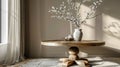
(71, 13)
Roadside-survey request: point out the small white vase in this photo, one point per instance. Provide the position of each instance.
(77, 35)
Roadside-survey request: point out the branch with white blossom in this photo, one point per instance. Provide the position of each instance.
(70, 12)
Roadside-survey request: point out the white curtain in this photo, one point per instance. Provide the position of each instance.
(14, 32)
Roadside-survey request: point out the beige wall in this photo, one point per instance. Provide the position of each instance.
(34, 28)
(42, 27)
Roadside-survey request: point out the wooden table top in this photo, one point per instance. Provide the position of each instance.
(72, 43)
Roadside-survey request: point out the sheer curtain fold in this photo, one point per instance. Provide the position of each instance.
(22, 40)
(14, 32)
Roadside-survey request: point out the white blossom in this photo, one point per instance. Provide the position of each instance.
(53, 7)
(69, 11)
(100, 1)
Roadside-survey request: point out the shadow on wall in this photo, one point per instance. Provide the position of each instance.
(109, 20)
(111, 8)
(107, 28)
(110, 13)
(111, 23)
(113, 30)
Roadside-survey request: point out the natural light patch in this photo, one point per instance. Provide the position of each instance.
(90, 22)
(89, 26)
(113, 29)
(111, 26)
(4, 21)
(84, 10)
(108, 64)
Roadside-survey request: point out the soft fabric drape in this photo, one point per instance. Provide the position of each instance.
(15, 42)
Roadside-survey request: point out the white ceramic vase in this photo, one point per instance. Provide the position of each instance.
(77, 35)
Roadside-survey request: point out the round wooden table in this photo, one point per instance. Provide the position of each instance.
(72, 43)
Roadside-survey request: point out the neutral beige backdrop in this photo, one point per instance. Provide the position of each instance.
(42, 27)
